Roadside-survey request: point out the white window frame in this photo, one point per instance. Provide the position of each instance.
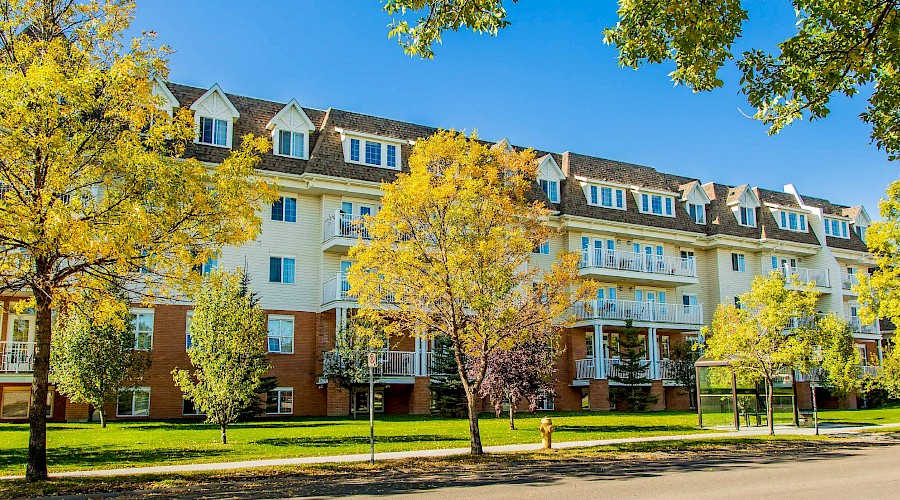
(280, 391)
(843, 228)
(699, 215)
(550, 188)
(293, 133)
(751, 213)
(543, 248)
(134, 327)
(200, 140)
(283, 257)
(666, 204)
(616, 193)
(741, 261)
(196, 413)
(783, 219)
(133, 391)
(281, 336)
(347, 135)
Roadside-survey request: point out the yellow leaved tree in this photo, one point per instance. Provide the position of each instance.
(450, 256)
(92, 186)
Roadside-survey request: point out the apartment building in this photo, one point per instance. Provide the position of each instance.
(667, 250)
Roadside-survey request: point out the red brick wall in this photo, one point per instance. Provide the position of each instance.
(397, 399)
(657, 389)
(599, 395)
(338, 401)
(677, 398)
(420, 397)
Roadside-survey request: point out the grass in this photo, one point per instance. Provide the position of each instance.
(135, 444)
(617, 461)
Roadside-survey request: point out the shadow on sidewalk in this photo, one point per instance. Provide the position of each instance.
(536, 473)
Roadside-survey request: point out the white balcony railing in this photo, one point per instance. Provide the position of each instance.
(653, 312)
(857, 326)
(335, 289)
(848, 281)
(613, 370)
(16, 357)
(343, 225)
(870, 370)
(809, 275)
(667, 369)
(638, 262)
(584, 369)
(390, 363)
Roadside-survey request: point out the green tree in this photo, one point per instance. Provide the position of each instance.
(228, 351)
(761, 339)
(94, 187)
(631, 372)
(839, 47)
(91, 359)
(451, 250)
(448, 396)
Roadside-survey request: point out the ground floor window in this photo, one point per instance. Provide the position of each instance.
(188, 408)
(17, 402)
(547, 402)
(585, 398)
(133, 402)
(361, 400)
(280, 401)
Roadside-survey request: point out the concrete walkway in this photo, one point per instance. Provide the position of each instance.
(749, 432)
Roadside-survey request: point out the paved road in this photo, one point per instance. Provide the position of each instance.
(868, 467)
(865, 473)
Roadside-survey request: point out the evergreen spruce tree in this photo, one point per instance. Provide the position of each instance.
(448, 397)
(266, 384)
(630, 373)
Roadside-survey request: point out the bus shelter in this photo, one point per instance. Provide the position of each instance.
(725, 399)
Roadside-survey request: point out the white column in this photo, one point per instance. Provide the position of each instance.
(654, 354)
(417, 356)
(599, 358)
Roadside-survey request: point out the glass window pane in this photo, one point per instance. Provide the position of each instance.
(594, 200)
(297, 140)
(123, 402)
(275, 269)
(373, 153)
(221, 133)
(284, 142)
(206, 130)
(278, 209)
(354, 149)
(391, 156)
(290, 209)
(620, 202)
(287, 275)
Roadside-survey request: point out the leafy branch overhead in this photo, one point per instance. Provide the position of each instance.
(840, 47)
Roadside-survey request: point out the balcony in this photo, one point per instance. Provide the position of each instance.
(848, 281)
(584, 369)
(637, 267)
(336, 289)
(391, 364)
(806, 275)
(340, 231)
(16, 357)
(816, 373)
(613, 369)
(639, 312)
(856, 326)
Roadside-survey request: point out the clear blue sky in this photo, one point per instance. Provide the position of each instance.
(547, 81)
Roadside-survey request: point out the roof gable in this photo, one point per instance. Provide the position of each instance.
(215, 103)
(160, 90)
(693, 193)
(549, 169)
(743, 196)
(291, 117)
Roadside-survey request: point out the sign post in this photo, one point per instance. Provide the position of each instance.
(372, 362)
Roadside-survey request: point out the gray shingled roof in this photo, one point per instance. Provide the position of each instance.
(326, 158)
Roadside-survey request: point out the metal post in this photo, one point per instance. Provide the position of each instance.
(699, 408)
(796, 404)
(371, 415)
(737, 416)
(815, 408)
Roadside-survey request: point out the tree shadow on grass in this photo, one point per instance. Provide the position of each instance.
(353, 440)
(623, 429)
(105, 457)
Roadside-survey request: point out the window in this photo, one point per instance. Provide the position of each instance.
(361, 400)
(689, 299)
(594, 197)
(737, 302)
(737, 262)
(187, 330)
(133, 402)
(747, 216)
(213, 131)
(836, 228)
(609, 197)
(354, 149)
(391, 156)
(792, 221)
(291, 143)
(656, 204)
(546, 402)
(373, 153)
(188, 408)
(589, 345)
(665, 347)
(17, 402)
(207, 267)
(606, 196)
(543, 248)
(281, 335)
(861, 232)
(698, 213)
(281, 270)
(142, 326)
(551, 189)
(285, 209)
(280, 401)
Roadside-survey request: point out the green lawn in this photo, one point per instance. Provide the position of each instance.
(132, 444)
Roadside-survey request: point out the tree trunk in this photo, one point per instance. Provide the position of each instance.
(770, 412)
(36, 469)
(512, 416)
(474, 432)
(224, 437)
(102, 419)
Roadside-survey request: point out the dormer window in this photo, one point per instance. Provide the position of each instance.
(698, 212)
(791, 221)
(836, 228)
(657, 204)
(861, 232)
(551, 189)
(370, 150)
(214, 117)
(606, 196)
(213, 131)
(290, 131)
(747, 216)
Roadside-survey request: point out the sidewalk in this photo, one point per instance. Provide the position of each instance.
(753, 431)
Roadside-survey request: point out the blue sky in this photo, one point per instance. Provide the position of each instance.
(547, 81)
